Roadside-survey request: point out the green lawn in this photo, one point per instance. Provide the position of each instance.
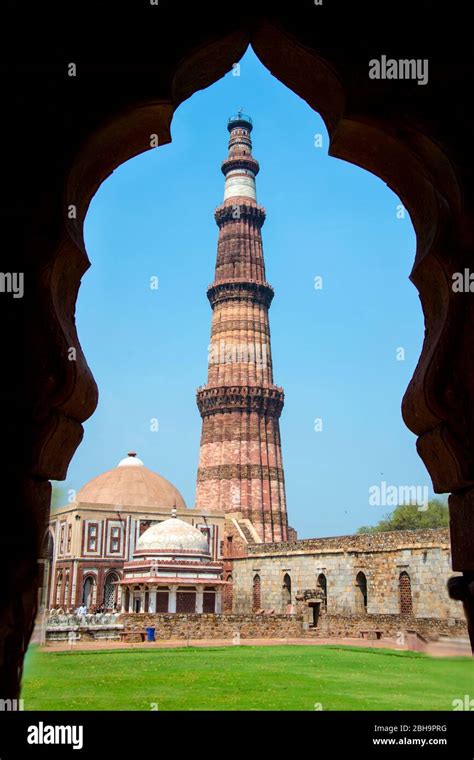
(244, 678)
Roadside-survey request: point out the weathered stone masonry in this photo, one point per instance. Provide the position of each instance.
(382, 558)
(179, 626)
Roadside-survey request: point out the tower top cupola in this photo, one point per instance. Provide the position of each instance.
(240, 168)
(240, 120)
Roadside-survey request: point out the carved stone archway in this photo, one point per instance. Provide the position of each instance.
(401, 134)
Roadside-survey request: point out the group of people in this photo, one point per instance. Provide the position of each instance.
(83, 609)
(94, 610)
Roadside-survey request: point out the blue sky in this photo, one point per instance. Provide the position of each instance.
(334, 349)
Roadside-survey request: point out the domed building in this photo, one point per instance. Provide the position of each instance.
(114, 518)
(172, 571)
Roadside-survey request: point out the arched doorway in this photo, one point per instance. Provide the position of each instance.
(361, 594)
(88, 592)
(323, 587)
(286, 592)
(110, 591)
(404, 592)
(228, 596)
(256, 593)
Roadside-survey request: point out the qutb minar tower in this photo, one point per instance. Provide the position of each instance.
(240, 463)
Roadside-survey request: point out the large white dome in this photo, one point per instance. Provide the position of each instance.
(173, 537)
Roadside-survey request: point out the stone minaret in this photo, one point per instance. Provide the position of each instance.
(240, 464)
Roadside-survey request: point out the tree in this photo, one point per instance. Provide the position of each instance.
(410, 517)
(58, 498)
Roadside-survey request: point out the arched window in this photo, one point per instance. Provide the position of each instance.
(361, 594)
(110, 591)
(323, 586)
(286, 590)
(66, 590)
(257, 594)
(87, 591)
(404, 590)
(228, 594)
(59, 586)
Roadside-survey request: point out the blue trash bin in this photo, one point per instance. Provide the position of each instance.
(150, 634)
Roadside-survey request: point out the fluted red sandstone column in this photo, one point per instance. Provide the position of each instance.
(240, 465)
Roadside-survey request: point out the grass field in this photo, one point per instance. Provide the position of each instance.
(244, 678)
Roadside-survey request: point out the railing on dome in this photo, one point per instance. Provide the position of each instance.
(240, 118)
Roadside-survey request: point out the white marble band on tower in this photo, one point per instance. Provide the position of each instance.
(240, 182)
(240, 168)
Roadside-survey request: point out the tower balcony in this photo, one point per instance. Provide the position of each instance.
(246, 398)
(240, 290)
(240, 161)
(234, 211)
(240, 120)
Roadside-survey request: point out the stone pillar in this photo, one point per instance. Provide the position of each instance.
(119, 596)
(199, 599)
(461, 588)
(74, 602)
(172, 599)
(219, 600)
(152, 602)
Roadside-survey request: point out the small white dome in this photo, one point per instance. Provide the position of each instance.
(131, 460)
(175, 537)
